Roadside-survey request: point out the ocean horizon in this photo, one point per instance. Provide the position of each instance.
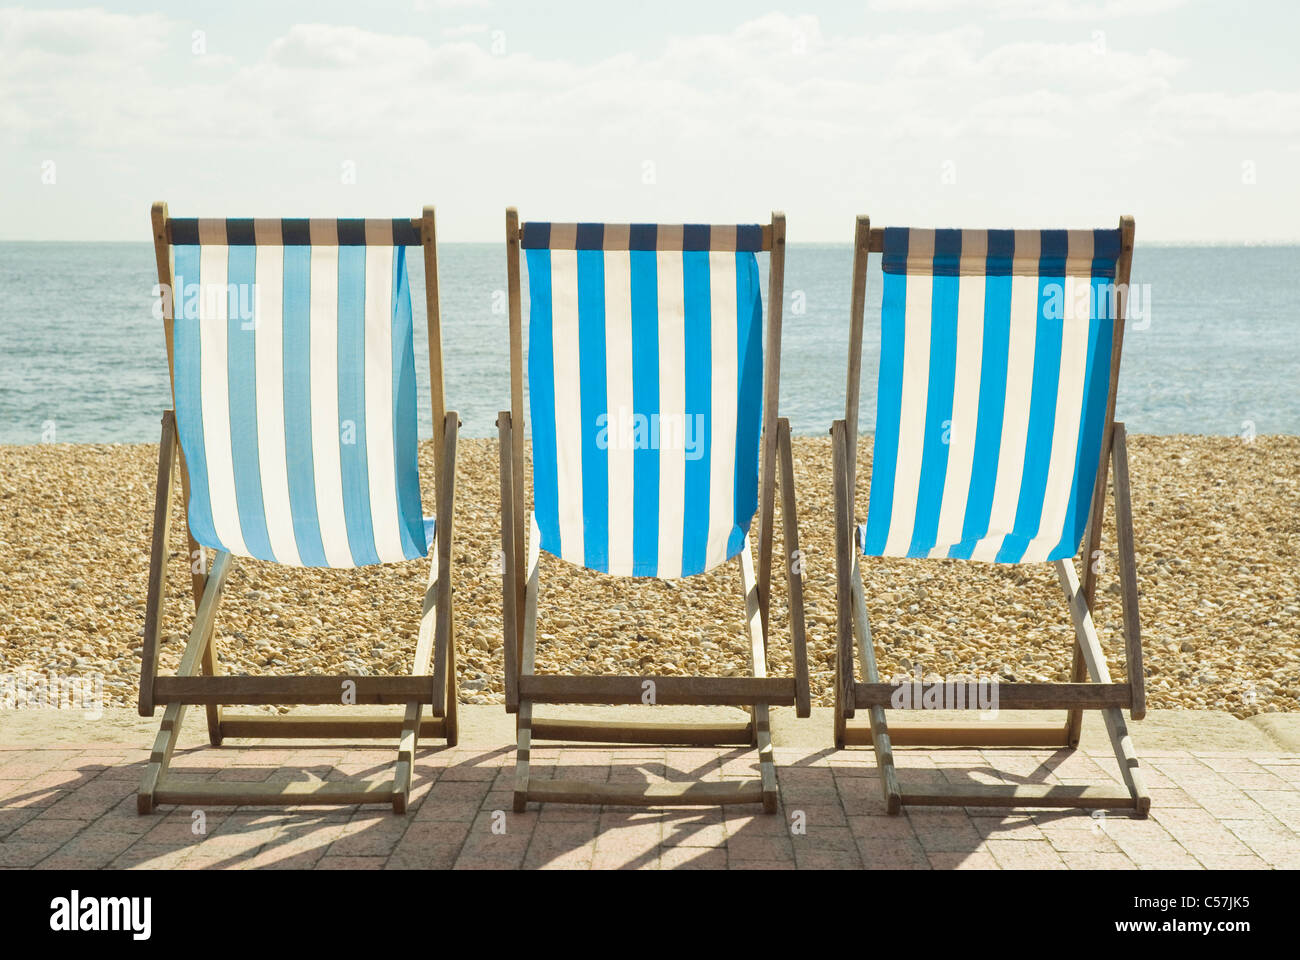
(1212, 344)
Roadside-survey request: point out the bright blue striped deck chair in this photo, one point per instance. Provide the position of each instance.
(651, 414)
(290, 345)
(994, 433)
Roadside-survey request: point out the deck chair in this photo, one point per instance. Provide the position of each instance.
(1000, 355)
(291, 354)
(638, 335)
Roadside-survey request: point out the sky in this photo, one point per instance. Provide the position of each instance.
(983, 113)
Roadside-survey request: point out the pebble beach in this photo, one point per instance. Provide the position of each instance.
(1217, 530)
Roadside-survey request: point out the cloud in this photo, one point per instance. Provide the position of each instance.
(774, 77)
(464, 30)
(54, 66)
(423, 6)
(776, 105)
(324, 47)
(32, 36)
(1033, 9)
(1264, 113)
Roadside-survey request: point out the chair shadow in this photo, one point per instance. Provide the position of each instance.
(1041, 775)
(1006, 822)
(695, 835)
(680, 827)
(459, 800)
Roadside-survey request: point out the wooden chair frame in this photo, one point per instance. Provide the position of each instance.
(524, 687)
(1091, 687)
(198, 679)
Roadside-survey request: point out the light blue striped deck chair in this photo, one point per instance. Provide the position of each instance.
(650, 406)
(290, 346)
(995, 430)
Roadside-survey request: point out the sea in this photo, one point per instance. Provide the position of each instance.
(1212, 345)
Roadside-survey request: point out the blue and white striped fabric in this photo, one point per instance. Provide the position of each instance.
(645, 373)
(994, 373)
(295, 390)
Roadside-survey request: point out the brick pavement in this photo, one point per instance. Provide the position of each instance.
(73, 806)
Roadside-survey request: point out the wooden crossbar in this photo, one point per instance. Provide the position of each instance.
(694, 794)
(333, 689)
(336, 727)
(190, 791)
(1018, 795)
(952, 734)
(621, 731)
(723, 691)
(1009, 696)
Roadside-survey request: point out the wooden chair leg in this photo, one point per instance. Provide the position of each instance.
(174, 715)
(160, 757)
(523, 748)
(435, 624)
(167, 457)
(452, 726)
(1095, 659)
(880, 741)
(853, 624)
(212, 668)
(444, 653)
(766, 759)
(528, 658)
(1074, 720)
(424, 650)
(403, 770)
(794, 575)
(442, 618)
(843, 563)
(158, 550)
(511, 609)
(1128, 576)
(758, 668)
(1092, 543)
(841, 725)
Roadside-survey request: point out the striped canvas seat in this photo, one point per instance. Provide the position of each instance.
(645, 376)
(994, 373)
(295, 389)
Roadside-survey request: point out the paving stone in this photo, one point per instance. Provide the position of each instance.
(972, 860)
(895, 853)
(75, 808)
(692, 858)
(1097, 860)
(26, 853)
(1025, 854)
